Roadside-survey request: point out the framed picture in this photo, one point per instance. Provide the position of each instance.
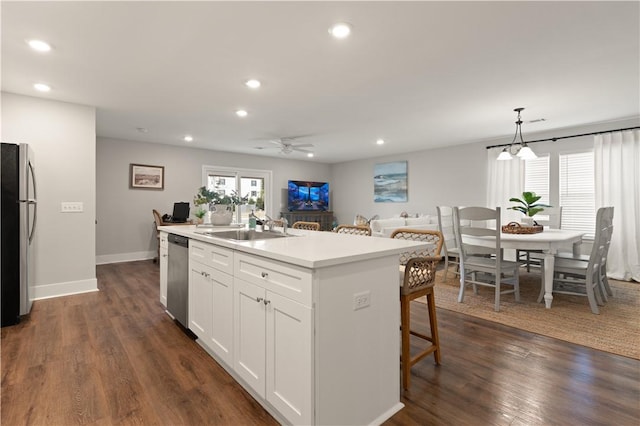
(146, 177)
(390, 182)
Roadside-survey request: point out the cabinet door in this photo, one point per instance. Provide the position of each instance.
(200, 299)
(289, 358)
(249, 334)
(221, 335)
(164, 262)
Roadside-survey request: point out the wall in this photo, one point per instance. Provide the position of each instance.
(446, 176)
(125, 229)
(451, 176)
(62, 136)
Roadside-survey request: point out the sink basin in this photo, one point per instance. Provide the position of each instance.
(242, 234)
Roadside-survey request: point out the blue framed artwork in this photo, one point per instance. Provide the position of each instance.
(390, 182)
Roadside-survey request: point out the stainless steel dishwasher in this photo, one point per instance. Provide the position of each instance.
(178, 278)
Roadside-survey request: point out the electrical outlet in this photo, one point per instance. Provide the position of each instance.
(71, 207)
(361, 300)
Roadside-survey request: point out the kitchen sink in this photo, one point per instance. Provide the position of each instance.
(242, 234)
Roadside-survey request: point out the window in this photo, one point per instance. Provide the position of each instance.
(253, 185)
(565, 180)
(536, 177)
(577, 192)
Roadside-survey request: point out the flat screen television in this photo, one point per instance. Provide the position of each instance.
(305, 195)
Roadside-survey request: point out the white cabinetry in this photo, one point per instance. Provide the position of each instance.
(281, 317)
(163, 261)
(273, 335)
(211, 297)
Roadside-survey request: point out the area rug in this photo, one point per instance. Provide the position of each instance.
(616, 329)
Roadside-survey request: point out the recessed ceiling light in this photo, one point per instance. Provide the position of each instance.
(253, 83)
(188, 138)
(380, 141)
(241, 113)
(41, 87)
(39, 45)
(340, 30)
(310, 154)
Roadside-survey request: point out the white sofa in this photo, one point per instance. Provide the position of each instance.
(385, 227)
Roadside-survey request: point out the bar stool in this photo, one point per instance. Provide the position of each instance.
(417, 278)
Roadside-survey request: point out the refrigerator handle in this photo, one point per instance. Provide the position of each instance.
(34, 202)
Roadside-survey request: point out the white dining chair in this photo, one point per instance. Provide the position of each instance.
(552, 219)
(584, 276)
(484, 223)
(450, 253)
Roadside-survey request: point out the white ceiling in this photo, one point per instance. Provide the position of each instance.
(418, 74)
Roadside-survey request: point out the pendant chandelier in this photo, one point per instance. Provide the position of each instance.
(520, 150)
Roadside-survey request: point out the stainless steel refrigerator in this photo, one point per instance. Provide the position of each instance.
(18, 224)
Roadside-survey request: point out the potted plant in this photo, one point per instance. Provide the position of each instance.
(528, 205)
(200, 214)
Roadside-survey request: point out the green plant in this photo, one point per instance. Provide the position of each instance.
(200, 213)
(205, 196)
(527, 204)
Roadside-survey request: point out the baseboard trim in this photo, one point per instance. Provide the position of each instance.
(65, 289)
(125, 257)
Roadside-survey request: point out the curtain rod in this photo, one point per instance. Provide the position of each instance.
(567, 137)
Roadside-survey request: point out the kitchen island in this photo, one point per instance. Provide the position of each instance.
(308, 324)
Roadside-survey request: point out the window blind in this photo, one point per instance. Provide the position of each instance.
(577, 192)
(536, 177)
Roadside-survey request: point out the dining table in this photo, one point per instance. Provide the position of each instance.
(549, 241)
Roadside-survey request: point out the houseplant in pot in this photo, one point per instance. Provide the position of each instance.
(529, 206)
(220, 206)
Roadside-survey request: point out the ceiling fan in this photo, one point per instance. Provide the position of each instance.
(287, 145)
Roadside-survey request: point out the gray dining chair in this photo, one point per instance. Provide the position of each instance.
(476, 262)
(553, 220)
(586, 275)
(450, 250)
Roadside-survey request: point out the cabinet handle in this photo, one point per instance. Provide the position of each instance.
(259, 299)
(264, 275)
(266, 302)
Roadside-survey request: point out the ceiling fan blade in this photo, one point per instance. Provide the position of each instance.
(302, 145)
(293, 138)
(295, 148)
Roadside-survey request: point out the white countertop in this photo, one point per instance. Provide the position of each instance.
(309, 249)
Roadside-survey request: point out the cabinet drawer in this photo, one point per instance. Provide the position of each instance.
(281, 278)
(217, 257)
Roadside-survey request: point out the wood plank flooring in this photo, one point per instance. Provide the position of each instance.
(115, 357)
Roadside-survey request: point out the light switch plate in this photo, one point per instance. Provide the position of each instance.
(72, 207)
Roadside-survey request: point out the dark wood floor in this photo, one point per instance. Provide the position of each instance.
(115, 357)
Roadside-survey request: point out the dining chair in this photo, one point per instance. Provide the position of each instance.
(553, 221)
(354, 230)
(607, 215)
(586, 275)
(484, 223)
(157, 221)
(449, 246)
(309, 226)
(417, 279)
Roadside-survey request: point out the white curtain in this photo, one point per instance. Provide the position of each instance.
(617, 179)
(505, 180)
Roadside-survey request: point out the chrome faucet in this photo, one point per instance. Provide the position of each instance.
(268, 223)
(285, 223)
